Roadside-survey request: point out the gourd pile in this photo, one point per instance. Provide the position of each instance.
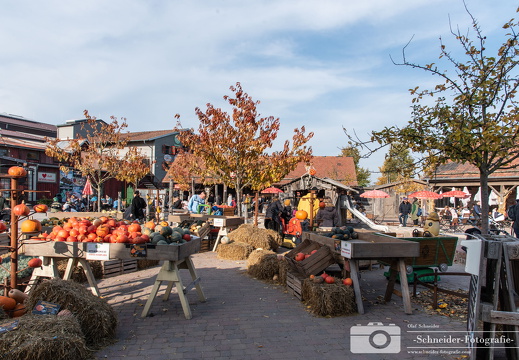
(109, 230)
(342, 233)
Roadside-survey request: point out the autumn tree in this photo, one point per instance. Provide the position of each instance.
(233, 147)
(97, 154)
(363, 174)
(133, 167)
(398, 165)
(471, 116)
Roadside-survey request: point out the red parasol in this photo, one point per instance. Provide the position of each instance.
(374, 194)
(87, 190)
(272, 190)
(425, 195)
(456, 194)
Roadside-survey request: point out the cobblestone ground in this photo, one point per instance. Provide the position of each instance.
(244, 318)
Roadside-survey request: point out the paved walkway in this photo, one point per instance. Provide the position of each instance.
(245, 318)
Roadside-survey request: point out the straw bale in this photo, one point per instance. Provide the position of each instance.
(284, 266)
(234, 251)
(78, 274)
(276, 239)
(145, 263)
(43, 337)
(263, 264)
(253, 235)
(97, 318)
(329, 299)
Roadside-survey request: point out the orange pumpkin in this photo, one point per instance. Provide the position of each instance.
(35, 262)
(30, 226)
(18, 310)
(150, 225)
(7, 303)
(312, 172)
(301, 214)
(21, 210)
(103, 230)
(17, 171)
(40, 208)
(134, 228)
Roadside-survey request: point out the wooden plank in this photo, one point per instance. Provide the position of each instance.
(62, 214)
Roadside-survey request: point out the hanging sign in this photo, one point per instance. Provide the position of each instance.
(47, 177)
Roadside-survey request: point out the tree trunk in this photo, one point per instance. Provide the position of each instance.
(483, 175)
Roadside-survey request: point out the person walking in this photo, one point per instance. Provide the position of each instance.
(137, 207)
(272, 216)
(403, 211)
(415, 211)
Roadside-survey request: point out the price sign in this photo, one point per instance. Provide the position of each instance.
(98, 251)
(346, 249)
(218, 222)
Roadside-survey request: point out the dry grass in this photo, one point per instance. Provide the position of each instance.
(329, 299)
(96, 317)
(234, 251)
(43, 337)
(263, 264)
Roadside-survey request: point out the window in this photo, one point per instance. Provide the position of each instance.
(33, 155)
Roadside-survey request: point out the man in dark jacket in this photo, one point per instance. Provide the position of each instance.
(137, 207)
(272, 216)
(515, 225)
(403, 212)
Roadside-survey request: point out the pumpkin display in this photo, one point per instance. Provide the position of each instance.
(21, 210)
(17, 171)
(7, 303)
(312, 172)
(40, 208)
(301, 214)
(30, 226)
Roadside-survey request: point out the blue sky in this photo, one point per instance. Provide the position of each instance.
(322, 64)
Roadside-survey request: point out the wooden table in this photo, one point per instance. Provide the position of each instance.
(175, 257)
(371, 246)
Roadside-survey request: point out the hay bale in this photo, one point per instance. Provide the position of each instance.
(96, 317)
(42, 337)
(276, 239)
(263, 264)
(284, 266)
(145, 263)
(329, 299)
(78, 274)
(234, 251)
(253, 235)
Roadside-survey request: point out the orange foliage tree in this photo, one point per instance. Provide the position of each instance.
(99, 153)
(233, 148)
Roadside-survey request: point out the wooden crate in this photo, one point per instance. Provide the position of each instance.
(313, 264)
(118, 267)
(295, 284)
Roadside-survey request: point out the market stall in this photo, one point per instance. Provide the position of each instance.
(374, 246)
(175, 257)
